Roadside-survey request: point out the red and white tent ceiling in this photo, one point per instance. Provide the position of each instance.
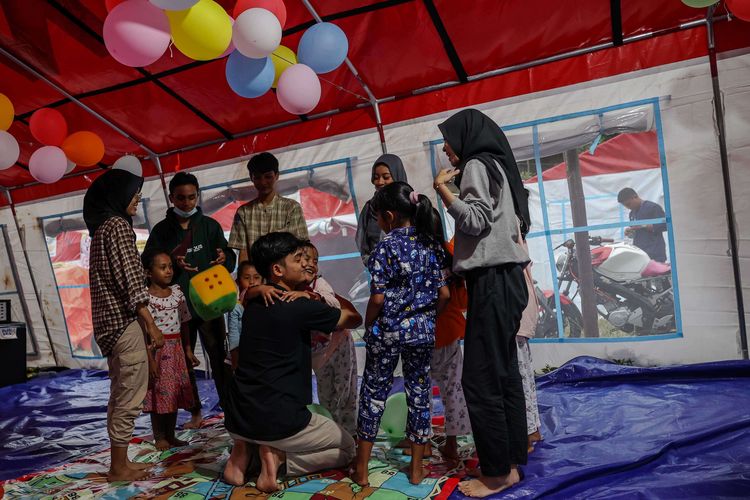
(185, 112)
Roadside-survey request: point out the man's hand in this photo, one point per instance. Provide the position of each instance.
(191, 358)
(221, 258)
(183, 264)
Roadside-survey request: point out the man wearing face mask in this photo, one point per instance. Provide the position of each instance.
(196, 242)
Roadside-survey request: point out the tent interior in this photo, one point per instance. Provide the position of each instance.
(593, 96)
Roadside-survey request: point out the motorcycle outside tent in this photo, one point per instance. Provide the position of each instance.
(594, 97)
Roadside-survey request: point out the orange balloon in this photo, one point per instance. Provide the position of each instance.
(84, 148)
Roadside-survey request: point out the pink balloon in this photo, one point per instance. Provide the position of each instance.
(298, 89)
(136, 33)
(48, 164)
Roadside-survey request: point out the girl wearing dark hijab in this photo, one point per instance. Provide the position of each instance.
(387, 168)
(492, 215)
(119, 300)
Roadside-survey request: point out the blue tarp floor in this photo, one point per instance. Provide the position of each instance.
(610, 431)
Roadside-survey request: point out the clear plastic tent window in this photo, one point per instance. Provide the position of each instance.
(602, 272)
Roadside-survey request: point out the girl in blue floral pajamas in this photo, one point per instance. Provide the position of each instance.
(407, 291)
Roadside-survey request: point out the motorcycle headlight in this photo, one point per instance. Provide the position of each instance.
(560, 262)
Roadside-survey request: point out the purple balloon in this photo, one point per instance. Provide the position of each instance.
(137, 33)
(298, 89)
(48, 164)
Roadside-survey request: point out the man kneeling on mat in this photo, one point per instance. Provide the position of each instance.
(266, 412)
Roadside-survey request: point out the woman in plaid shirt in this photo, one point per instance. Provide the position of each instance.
(119, 309)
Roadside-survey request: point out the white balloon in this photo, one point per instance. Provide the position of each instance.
(47, 164)
(70, 168)
(256, 33)
(9, 150)
(129, 163)
(174, 4)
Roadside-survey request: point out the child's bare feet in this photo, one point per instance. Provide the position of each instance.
(126, 474)
(195, 422)
(162, 444)
(361, 477)
(270, 459)
(234, 469)
(138, 465)
(427, 450)
(449, 450)
(417, 472)
(534, 438)
(485, 486)
(177, 443)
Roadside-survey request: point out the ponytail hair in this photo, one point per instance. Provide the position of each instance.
(400, 198)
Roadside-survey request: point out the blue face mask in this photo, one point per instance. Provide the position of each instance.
(185, 215)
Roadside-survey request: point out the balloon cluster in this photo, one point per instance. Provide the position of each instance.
(739, 8)
(138, 32)
(60, 152)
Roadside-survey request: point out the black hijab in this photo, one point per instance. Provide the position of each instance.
(368, 232)
(474, 136)
(109, 196)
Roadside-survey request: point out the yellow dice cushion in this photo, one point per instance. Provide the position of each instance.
(213, 292)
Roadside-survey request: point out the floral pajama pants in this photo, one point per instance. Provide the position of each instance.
(383, 352)
(337, 385)
(446, 369)
(533, 422)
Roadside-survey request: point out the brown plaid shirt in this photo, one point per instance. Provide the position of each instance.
(253, 220)
(117, 281)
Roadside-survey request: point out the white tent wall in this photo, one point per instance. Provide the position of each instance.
(709, 318)
(737, 119)
(44, 356)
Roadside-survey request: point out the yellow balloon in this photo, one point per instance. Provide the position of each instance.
(282, 58)
(202, 32)
(6, 112)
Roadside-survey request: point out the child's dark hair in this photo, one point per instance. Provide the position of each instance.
(400, 198)
(262, 163)
(272, 248)
(309, 244)
(149, 256)
(183, 179)
(242, 265)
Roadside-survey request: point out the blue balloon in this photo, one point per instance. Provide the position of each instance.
(249, 77)
(323, 47)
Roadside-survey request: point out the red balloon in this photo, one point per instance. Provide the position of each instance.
(740, 8)
(111, 4)
(277, 7)
(48, 126)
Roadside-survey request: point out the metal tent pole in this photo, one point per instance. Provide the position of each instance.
(725, 175)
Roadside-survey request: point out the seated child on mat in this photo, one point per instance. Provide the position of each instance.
(247, 276)
(169, 382)
(407, 293)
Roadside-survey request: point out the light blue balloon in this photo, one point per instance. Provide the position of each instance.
(249, 77)
(323, 47)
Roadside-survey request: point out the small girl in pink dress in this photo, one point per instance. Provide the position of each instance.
(169, 382)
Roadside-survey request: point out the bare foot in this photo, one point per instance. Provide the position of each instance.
(485, 486)
(417, 473)
(138, 465)
(234, 469)
(270, 459)
(126, 474)
(361, 477)
(450, 449)
(162, 444)
(195, 422)
(177, 443)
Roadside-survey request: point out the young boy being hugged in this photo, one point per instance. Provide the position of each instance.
(247, 277)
